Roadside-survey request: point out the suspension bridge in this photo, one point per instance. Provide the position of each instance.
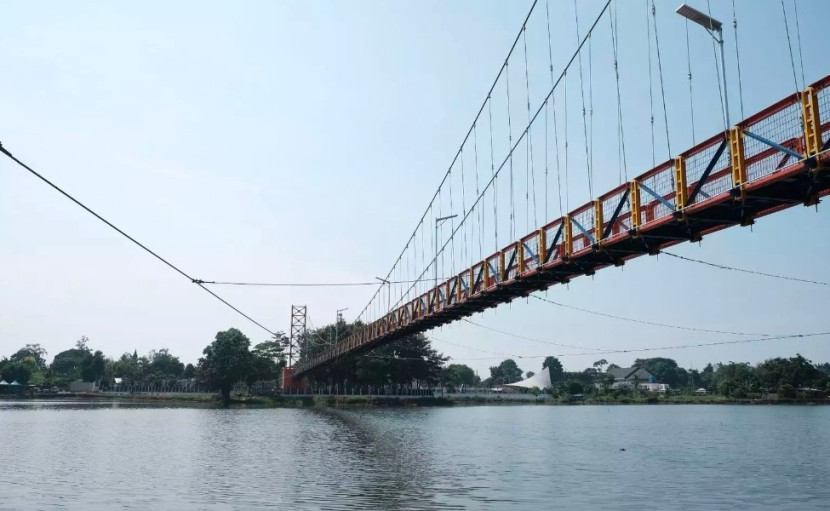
(767, 162)
(534, 144)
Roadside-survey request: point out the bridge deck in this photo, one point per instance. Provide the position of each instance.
(771, 161)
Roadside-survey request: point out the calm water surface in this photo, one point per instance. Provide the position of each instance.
(88, 456)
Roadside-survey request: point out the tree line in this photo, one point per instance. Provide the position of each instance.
(406, 364)
(228, 357)
(782, 376)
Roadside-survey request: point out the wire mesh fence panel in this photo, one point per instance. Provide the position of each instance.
(492, 271)
(783, 126)
(554, 238)
(615, 202)
(465, 285)
(478, 279)
(719, 179)
(511, 262)
(823, 96)
(530, 251)
(582, 221)
(660, 181)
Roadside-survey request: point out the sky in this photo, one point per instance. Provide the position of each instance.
(301, 141)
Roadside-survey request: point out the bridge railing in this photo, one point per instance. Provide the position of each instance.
(718, 169)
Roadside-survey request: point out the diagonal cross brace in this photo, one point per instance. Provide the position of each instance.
(549, 251)
(657, 196)
(774, 145)
(709, 169)
(616, 214)
(584, 231)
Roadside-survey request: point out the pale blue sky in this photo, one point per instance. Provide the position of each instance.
(301, 141)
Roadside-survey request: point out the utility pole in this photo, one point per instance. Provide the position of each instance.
(388, 285)
(438, 221)
(337, 321)
(714, 27)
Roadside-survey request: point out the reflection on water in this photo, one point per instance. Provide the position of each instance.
(93, 455)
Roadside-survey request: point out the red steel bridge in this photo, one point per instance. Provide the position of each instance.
(770, 161)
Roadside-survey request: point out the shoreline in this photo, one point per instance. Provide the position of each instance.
(376, 401)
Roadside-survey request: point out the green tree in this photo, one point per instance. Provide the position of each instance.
(31, 350)
(599, 364)
(574, 387)
(66, 366)
(165, 365)
(226, 362)
(530, 374)
(665, 370)
(19, 371)
(553, 365)
(506, 372)
(189, 371)
(267, 360)
(93, 367)
(456, 375)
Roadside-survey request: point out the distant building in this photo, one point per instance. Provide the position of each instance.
(636, 376)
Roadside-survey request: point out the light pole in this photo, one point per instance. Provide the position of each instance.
(712, 26)
(438, 221)
(337, 321)
(388, 285)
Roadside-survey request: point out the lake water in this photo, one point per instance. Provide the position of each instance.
(89, 456)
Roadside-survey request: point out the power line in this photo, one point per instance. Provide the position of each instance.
(308, 284)
(531, 338)
(136, 242)
(643, 322)
(677, 346)
(744, 270)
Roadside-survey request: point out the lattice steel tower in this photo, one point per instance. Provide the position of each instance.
(298, 322)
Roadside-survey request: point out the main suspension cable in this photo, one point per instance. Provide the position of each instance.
(136, 242)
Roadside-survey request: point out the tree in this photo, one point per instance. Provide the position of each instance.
(530, 374)
(93, 366)
(599, 364)
(456, 375)
(31, 350)
(19, 371)
(553, 365)
(165, 365)
(226, 362)
(189, 371)
(574, 387)
(81, 343)
(506, 372)
(665, 369)
(66, 366)
(266, 361)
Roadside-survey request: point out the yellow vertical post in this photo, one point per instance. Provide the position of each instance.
(812, 121)
(501, 266)
(543, 246)
(486, 269)
(736, 144)
(471, 282)
(635, 204)
(681, 190)
(568, 234)
(598, 221)
(520, 254)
